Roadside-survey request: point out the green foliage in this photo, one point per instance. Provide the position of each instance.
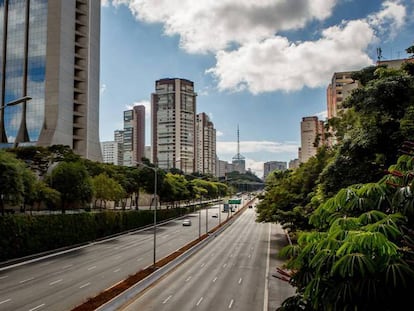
(106, 188)
(24, 235)
(73, 182)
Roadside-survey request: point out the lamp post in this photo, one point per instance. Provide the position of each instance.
(22, 134)
(155, 169)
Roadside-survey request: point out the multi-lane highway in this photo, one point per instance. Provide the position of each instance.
(233, 272)
(61, 282)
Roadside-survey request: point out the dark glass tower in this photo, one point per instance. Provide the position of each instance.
(49, 56)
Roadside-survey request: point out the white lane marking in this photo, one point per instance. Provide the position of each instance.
(26, 280)
(139, 259)
(55, 282)
(117, 270)
(67, 266)
(224, 265)
(231, 303)
(203, 264)
(266, 293)
(118, 257)
(240, 280)
(168, 298)
(35, 308)
(4, 301)
(199, 301)
(215, 279)
(188, 279)
(250, 256)
(3, 277)
(91, 268)
(84, 285)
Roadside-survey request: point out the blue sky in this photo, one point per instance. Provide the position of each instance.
(261, 65)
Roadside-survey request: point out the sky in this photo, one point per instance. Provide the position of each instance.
(257, 65)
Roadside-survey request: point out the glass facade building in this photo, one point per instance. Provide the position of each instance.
(49, 57)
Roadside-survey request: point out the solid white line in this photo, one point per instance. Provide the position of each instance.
(67, 266)
(84, 285)
(91, 268)
(231, 303)
(3, 277)
(168, 298)
(266, 289)
(199, 301)
(4, 301)
(39, 306)
(55, 282)
(117, 270)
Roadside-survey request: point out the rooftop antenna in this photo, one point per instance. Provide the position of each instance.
(379, 54)
(238, 156)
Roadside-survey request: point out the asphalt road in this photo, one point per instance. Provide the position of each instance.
(232, 272)
(62, 281)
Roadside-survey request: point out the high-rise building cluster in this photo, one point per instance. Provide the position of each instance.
(181, 138)
(50, 96)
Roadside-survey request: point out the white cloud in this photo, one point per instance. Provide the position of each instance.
(255, 166)
(104, 2)
(250, 55)
(277, 64)
(392, 16)
(103, 88)
(233, 21)
(219, 133)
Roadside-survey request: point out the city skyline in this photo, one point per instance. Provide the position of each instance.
(264, 68)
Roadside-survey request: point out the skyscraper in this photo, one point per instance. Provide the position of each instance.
(173, 109)
(134, 135)
(49, 56)
(205, 145)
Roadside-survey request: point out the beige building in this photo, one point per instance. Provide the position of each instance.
(205, 145)
(50, 66)
(312, 136)
(173, 115)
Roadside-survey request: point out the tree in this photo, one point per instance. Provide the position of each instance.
(73, 182)
(11, 179)
(106, 189)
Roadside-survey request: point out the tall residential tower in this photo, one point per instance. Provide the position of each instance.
(173, 109)
(49, 57)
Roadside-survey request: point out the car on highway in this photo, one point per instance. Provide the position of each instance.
(187, 222)
(214, 215)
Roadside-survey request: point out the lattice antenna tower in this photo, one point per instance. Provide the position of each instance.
(238, 156)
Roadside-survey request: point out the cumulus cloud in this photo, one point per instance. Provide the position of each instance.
(277, 64)
(250, 52)
(230, 21)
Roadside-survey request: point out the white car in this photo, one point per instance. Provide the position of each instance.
(186, 222)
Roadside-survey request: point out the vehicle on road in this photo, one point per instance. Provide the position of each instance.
(214, 215)
(187, 222)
